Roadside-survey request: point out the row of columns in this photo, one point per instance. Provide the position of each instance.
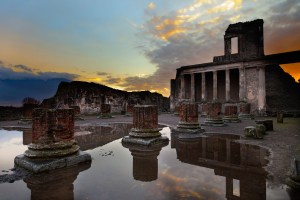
(242, 86)
(215, 86)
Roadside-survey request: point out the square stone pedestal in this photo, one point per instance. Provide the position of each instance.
(41, 165)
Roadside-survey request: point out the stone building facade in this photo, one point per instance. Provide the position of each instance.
(233, 77)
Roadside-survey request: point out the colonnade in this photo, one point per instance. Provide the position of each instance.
(222, 85)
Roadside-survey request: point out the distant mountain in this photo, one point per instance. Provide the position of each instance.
(12, 92)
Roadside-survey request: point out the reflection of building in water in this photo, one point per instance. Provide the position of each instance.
(100, 135)
(145, 163)
(56, 184)
(230, 159)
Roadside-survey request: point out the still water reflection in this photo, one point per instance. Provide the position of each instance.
(214, 167)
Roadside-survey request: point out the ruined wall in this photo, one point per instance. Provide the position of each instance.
(90, 96)
(252, 87)
(282, 92)
(10, 113)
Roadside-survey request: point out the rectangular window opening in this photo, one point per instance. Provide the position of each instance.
(234, 45)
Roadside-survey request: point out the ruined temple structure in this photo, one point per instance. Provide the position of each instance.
(247, 75)
(91, 96)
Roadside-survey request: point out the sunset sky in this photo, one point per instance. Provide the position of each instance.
(131, 44)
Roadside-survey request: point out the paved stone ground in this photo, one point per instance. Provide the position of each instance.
(283, 143)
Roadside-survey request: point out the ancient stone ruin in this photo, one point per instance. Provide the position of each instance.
(245, 111)
(91, 96)
(230, 114)
(213, 117)
(247, 75)
(53, 145)
(188, 116)
(145, 129)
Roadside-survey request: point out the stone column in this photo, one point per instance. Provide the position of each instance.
(214, 114)
(52, 141)
(145, 121)
(230, 114)
(188, 115)
(182, 87)
(227, 87)
(215, 86)
(145, 129)
(203, 95)
(261, 97)
(242, 84)
(193, 87)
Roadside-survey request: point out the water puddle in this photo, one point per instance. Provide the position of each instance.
(207, 167)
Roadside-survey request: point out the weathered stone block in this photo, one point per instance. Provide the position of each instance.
(213, 117)
(52, 144)
(188, 115)
(230, 114)
(260, 129)
(188, 112)
(279, 117)
(268, 123)
(214, 110)
(245, 110)
(145, 117)
(145, 121)
(250, 131)
(204, 109)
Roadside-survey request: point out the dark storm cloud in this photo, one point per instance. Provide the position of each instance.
(8, 73)
(14, 86)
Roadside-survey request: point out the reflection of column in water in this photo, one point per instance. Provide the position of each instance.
(27, 136)
(57, 184)
(145, 163)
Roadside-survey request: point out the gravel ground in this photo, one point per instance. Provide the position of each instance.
(283, 143)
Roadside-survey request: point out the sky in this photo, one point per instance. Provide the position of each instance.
(130, 44)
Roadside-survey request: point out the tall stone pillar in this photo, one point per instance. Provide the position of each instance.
(242, 84)
(227, 82)
(261, 97)
(193, 87)
(182, 87)
(203, 95)
(215, 86)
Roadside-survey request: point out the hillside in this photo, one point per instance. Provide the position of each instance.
(89, 97)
